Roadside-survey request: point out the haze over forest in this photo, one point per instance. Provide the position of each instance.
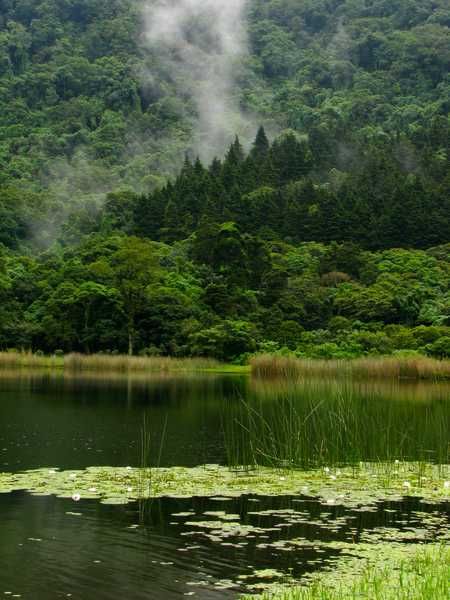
(224, 178)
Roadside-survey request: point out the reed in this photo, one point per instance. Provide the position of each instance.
(420, 367)
(305, 426)
(12, 360)
(147, 482)
(105, 363)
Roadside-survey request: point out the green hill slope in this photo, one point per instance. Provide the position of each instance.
(326, 237)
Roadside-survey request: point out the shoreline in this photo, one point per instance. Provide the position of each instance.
(264, 367)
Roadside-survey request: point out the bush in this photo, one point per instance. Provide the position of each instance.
(225, 341)
(339, 324)
(334, 350)
(150, 351)
(440, 348)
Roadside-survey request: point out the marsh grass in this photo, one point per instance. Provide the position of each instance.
(420, 367)
(293, 435)
(147, 481)
(238, 437)
(424, 575)
(11, 360)
(309, 427)
(105, 363)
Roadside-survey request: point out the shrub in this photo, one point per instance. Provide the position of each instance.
(440, 348)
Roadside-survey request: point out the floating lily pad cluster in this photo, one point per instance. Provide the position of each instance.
(349, 486)
(338, 560)
(276, 530)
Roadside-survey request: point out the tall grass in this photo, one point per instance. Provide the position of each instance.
(420, 367)
(425, 575)
(308, 426)
(105, 363)
(11, 360)
(293, 434)
(147, 482)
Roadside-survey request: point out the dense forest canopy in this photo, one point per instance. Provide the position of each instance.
(326, 233)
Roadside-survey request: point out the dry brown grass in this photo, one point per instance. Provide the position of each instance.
(420, 367)
(105, 363)
(11, 360)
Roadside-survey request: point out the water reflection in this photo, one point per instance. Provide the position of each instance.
(171, 547)
(74, 421)
(101, 552)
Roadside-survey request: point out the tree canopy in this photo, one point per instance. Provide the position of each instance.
(324, 235)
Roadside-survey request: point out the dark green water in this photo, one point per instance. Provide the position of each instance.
(108, 552)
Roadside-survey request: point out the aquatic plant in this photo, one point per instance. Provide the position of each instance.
(147, 484)
(349, 486)
(306, 427)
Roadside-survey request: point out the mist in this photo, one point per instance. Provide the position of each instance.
(201, 44)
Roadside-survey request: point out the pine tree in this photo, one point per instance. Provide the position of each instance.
(261, 146)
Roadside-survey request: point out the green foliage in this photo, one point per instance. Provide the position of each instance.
(117, 292)
(330, 240)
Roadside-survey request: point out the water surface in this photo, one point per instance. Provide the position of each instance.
(90, 551)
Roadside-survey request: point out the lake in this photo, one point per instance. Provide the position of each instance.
(173, 547)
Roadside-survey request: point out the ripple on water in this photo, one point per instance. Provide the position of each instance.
(212, 548)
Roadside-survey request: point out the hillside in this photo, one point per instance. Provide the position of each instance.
(327, 235)
(80, 88)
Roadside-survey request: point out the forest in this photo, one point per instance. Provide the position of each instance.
(323, 234)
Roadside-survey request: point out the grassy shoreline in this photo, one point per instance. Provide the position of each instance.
(387, 367)
(109, 363)
(382, 572)
(260, 367)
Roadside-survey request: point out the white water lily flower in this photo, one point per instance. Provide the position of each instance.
(76, 497)
(92, 489)
(327, 469)
(129, 489)
(338, 472)
(73, 476)
(333, 477)
(396, 461)
(406, 484)
(330, 501)
(282, 478)
(51, 472)
(128, 468)
(447, 485)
